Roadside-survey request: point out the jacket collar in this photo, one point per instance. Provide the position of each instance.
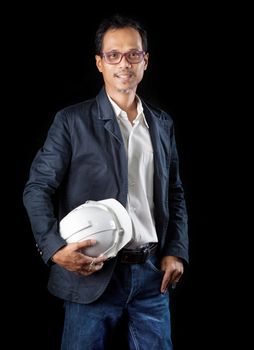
(156, 119)
(105, 108)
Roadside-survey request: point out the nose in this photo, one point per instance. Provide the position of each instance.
(124, 62)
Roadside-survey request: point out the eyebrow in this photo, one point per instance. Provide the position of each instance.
(116, 50)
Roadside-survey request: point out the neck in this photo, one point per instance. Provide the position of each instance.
(126, 101)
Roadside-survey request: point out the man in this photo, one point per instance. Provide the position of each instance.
(114, 146)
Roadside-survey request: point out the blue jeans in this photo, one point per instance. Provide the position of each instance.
(135, 290)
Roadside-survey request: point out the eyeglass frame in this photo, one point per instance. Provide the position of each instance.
(124, 54)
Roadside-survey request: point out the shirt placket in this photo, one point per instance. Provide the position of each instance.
(132, 172)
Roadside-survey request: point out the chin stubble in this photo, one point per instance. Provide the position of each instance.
(124, 91)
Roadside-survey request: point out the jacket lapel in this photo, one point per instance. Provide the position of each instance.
(159, 128)
(106, 113)
(115, 143)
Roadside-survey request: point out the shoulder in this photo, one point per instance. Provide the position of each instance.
(70, 115)
(76, 109)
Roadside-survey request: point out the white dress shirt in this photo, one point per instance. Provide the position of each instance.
(139, 150)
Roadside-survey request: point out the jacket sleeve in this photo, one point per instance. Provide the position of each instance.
(47, 171)
(177, 242)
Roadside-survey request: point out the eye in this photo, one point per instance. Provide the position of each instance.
(134, 54)
(113, 55)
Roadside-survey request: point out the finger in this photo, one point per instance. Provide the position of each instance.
(88, 269)
(86, 243)
(100, 259)
(165, 282)
(175, 277)
(93, 264)
(94, 260)
(85, 270)
(97, 267)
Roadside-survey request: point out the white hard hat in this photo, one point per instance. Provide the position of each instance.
(107, 221)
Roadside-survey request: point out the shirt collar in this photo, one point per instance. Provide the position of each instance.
(120, 113)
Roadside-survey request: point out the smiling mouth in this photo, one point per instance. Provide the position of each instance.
(124, 76)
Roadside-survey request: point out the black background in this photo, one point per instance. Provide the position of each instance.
(52, 66)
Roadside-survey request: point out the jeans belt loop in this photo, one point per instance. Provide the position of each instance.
(145, 254)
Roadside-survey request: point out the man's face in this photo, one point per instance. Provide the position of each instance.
(124, 76)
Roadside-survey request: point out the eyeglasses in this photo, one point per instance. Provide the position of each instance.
(115, 57)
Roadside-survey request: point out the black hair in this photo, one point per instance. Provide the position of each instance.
(117, 22)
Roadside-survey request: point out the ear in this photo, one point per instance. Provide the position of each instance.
(146, 57)
(98, 62)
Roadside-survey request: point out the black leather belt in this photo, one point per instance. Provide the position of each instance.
(138, 256)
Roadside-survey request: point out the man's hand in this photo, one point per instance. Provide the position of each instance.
(73, 260)
(173, 268)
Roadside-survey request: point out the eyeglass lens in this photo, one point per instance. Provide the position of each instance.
(115, 57)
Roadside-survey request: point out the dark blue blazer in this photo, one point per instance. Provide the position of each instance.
(83, 158)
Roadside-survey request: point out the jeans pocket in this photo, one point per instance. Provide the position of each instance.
(153, 263)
